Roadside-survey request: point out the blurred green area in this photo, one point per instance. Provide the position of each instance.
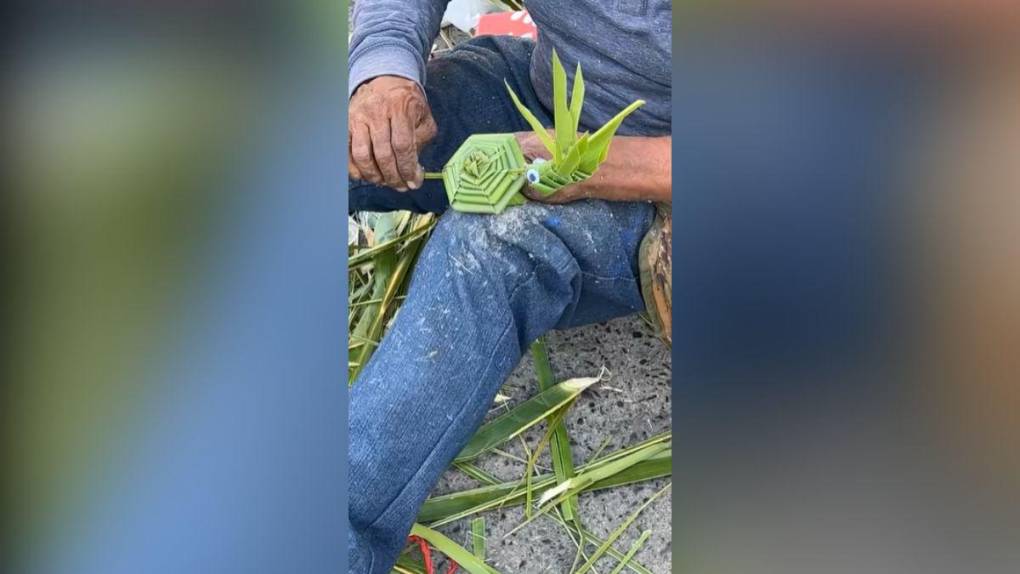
(118, 156)
(130, 140)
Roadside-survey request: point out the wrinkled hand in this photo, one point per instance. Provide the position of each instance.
(533, 148)
(388, 124)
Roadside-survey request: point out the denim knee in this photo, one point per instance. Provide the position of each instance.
(504, 246)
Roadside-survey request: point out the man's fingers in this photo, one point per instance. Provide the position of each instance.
(352, 170)
(382, 149)
(390, 122)
(405, 152)
(424, 131)
(361, 154)
(533, 194)
(564, 195)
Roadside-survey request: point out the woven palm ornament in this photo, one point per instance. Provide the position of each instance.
(488, 171)
(486, 174)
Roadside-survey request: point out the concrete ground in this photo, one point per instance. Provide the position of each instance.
(631, 406)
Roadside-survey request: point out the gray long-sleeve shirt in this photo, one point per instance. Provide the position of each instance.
(624, 47)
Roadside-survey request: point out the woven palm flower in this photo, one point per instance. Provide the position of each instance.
(486, 174)
(574, 158)
(489, 171)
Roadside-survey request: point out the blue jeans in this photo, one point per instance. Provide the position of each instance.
(484, 288)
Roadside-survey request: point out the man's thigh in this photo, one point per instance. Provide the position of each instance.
(467, 95)
(578, 260)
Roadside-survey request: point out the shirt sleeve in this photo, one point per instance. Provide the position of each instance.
(392, 38)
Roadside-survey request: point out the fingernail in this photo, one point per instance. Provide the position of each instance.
(419, 176)
(411, 184)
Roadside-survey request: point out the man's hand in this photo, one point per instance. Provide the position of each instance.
(388, 124)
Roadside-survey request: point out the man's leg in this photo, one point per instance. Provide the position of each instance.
(466, 93)
(483, 289)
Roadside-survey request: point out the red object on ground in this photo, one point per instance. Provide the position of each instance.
(426, 556)
(507, 24)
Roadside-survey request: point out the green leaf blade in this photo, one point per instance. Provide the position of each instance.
(478, 538)
(625, 561)
(619, 531)
(523, 417)
(559, 448)
(598, 144)
(562, 118)
(536, 125)
(448, 508)
(577, 98)
(468, 561)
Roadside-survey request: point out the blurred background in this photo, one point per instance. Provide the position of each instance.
(847, 320)
(173, 397)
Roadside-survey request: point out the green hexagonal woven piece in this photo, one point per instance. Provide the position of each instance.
(485, 174)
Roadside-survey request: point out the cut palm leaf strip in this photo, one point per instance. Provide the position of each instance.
(556, 495)
(447, 508)
(509, 456)
(370, 302)
(562, 457)
(478, 538)
(405, 565)
(619, 531)
(468, 561)
(589, 477)
(661, 438)
(366, 255)
(408, 563)
(554, 420)
(384, 264)
(632, 551)
(586, 536)
(390, 278)
(632, 564)
(522, 417)
(476, 473)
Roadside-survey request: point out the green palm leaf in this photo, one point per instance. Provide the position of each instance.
(598, 145)
(577, 97)
(468, 561)
(536, 125)
(566, 133)
(524, 416)
(559, 448)
(447, 508)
